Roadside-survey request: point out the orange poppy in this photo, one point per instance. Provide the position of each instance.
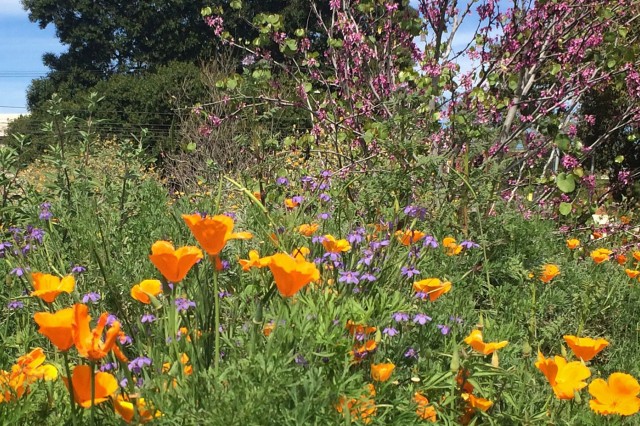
(268, 328)
(382, 372)
(632, 273)
(57, 327)
(146, 288)
(105, 385)
(565, 378)
(213, 232)
(362, 408)
(25, 371)
(359, 329)
(254, 261)
(174, 264)
(308, 229)
(462, 381)
(127, 409)
(89, 342)
(619, 395)
(549, 272)
(290, 203)
(48, 287)
(408, 236)
(636, 255)
(573, 244)
(425, 411)
(292, 274)
(359, 352)
(621, 259)
(452, 248)
(476, 402)
(331, 245)
(301, 253)
(585, 347)
(475, 341)
(600, 255)
(432, 287)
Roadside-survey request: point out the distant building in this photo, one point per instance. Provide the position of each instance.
(5, 119)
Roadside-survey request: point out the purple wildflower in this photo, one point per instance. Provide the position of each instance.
(349, 277)
(15, 304)
(136, 365)
(324, 197)
(469, 244)
(108, 366)
(421, 319)
(300, 360)
(18, 272)
(282, 181)
(409, 271)
(400, 317)
(455, 319)
(429, 241)
(368, 277)
(411, 353)
(78, 269)
(45, 214)
(183, 304)
(390, 331)
(111, 319)
(444, 329)
(298, 199)
(92, 297)
(324, 216)
(148, 318)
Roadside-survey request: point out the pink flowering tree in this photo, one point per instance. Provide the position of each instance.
(394, 82)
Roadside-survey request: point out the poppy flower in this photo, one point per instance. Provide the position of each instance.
(146, 288)
(382, 372)
(408, 236)
(452, 248)
(301, 253)
(425, 411)
(48, 287)
(290, 203)
(432, 287)
(573, 244)
(359, 329)
(174, 264)
(600, 255)
(127, 409)
(89, 342)
(476, 402)
(362, 408)
(585, 347)
(462, 381)
(636, 255)
(292, 274)
(57, 327)
(632, 273)
(105, 386)
(621, 259)
(564, 377)
(308, 229)
(549, 272)
(618, 395)
(213, 232)
(26, 370)
(268, 328)
(254, 261)
(331, 245)
(475, 341)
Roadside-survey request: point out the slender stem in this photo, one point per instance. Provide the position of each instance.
(93, 393)
(70, 382)
(216, 307)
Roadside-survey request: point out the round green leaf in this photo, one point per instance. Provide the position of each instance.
(566, 182)
(565, 208)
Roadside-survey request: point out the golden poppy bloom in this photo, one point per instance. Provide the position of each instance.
(600, 255)
(26, 370)
(382, 372)
(564, 377)
(408, 236)
(621, 259)
(636, 255)
(146, 288)
(127, 409)
(481, 404)
(425, 411)
(254, 261)
(89, 342)
(362, 408)
(475, 341)
(359, 352)
(549, 272)
(619, 395)
(625, 220)
(462, 381)
(573, 244)
(213, 232)
(331, 245)
(174, 264)
(585, 347)
(105, 386)
(301, 253)
(359, 329)
(452, 248)
(632, 273)
(57, 327)
(433, 287)
(308, 229)
(48, 287)
(268, 328)
(290, 203)
(292, 274)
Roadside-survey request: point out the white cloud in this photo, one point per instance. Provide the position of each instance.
(11, 8)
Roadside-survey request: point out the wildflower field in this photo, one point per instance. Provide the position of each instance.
(388, 261)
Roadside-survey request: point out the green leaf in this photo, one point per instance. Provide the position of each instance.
(566, 182)
(563, 142)
(206, 11)
(236, 5)
(565, 208)
(513, 83)
(623, 32)
(555, 69)
(619, 159)
(191, 146)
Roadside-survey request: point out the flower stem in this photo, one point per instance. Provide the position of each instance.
(93, 394)
(71, 399)
(216, 307)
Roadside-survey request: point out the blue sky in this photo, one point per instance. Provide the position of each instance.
(23, 44)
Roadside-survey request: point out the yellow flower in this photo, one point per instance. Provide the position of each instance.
(254, 261)
(600, 255)
(565, 378)
(48, 287)
(585, 347)
(146, 288)
(549, 272)
(331, 245)
(291, 274)
(619, 395)
(382, 372)
(475, 341)
(433, 287)
(573, 244)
